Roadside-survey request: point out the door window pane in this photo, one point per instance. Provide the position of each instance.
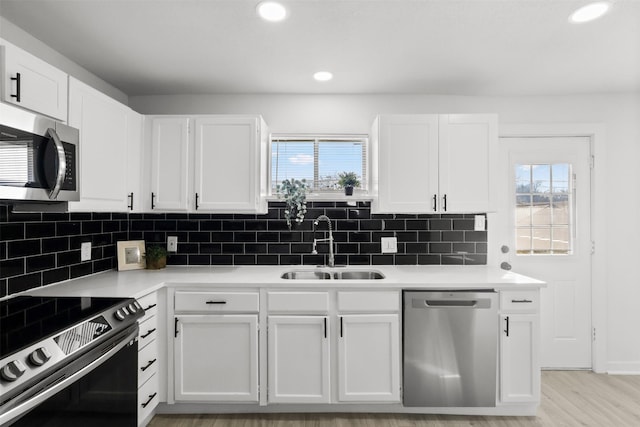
(544, 213)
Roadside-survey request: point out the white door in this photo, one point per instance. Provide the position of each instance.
(169, 163)
(216, 358)
(519, 371)
(226, 164)
(298, 361)
(369, 358)
(549, 238)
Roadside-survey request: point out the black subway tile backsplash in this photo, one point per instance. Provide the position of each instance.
(38, 249)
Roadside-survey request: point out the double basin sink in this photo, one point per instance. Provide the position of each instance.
(333, 275)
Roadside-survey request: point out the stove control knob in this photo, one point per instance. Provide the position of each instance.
(40, 356)
(12, 370)
(132, 308)
(119, 314)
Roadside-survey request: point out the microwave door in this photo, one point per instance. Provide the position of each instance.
(55, 164)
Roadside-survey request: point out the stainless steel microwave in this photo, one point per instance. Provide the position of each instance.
(39, 158)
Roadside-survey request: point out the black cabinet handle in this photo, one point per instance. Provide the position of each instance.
(151, 396)
(521, 301)
(175, 328)
(506, 331)
(341, 326)
(435, 202)
(216, 302)
(149, 332)
(444, 205)
(150, 307)
(197, 201)
(17, 80)
(151, 362)
(153, 196)
(325, 327)
(130, 197)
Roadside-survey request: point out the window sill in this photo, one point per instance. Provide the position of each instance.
(329, 197)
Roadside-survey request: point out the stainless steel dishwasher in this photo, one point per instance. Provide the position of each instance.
(450, 341)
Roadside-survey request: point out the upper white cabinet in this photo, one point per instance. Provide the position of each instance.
(429, 163)
(110, 150)
(33, 84)
(209, 163)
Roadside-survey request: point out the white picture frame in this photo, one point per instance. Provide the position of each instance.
(131, 255)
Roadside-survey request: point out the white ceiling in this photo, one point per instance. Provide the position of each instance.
(464, 47)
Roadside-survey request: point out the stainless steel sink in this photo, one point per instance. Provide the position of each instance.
(306, 275)
(336, 275)
(359, 275)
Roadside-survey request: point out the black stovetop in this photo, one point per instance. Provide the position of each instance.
(25, 320)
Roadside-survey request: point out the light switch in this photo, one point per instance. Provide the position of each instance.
(172, 243)
(479, 223)
(85, 251)
(389, 245)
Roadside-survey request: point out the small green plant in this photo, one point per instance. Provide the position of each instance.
(348, 179)
(156, 257)
(294, 194)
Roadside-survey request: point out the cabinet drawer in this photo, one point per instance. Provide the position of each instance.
(148, 331)
(149, 303)
(147, 362)
(298, 302)
(147, 398)
(520, 300)
(217, 302)
(361, 302)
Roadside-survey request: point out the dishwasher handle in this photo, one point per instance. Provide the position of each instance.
(451, 303)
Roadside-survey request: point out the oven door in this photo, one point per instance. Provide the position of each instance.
(98, 389)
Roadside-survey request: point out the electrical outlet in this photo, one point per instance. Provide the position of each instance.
(172, 243)
(85, 251)
(389, 245)
(479, 223)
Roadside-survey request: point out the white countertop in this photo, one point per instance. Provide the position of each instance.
(137, 283)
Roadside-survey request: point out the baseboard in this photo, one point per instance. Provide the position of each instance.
(623, 368)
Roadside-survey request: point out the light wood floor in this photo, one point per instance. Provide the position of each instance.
(569, 398)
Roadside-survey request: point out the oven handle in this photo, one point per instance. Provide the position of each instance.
(62, 164)
(47, 393)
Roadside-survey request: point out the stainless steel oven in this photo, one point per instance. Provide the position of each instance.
(72, 363)
(39, 158)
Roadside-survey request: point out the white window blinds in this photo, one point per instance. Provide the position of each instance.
(319, 160)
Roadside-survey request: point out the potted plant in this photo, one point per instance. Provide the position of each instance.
(294, 193)
(156, 257)
(348, 180)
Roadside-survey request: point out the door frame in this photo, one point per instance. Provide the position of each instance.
(597, 135)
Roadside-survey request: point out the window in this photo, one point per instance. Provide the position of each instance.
(544, 209)
(319, 160)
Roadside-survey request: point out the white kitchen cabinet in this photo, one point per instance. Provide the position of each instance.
(209, 164)
(429, 163)
(519, 347)
(216, 358)
(110, 133)
(298, 359)
(33, 84)
(148, 358)
(369, 358)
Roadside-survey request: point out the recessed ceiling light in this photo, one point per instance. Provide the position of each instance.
(323, 76)
(589, 12)
(271, 11)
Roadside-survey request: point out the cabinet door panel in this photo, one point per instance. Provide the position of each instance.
(520, 367)
(226, 163)
(43, 88)
(298, 359)
(170, 163)
(407, 155)
(369, 358)
(467, 146)
(102, 122)
(216, 358)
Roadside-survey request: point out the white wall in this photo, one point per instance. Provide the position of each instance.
(18, 37)
(620, 115)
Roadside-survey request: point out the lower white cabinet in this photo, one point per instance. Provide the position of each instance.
(519, 346)
(298, 359)
(216, 358)
(148, 359)
(369, 358)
